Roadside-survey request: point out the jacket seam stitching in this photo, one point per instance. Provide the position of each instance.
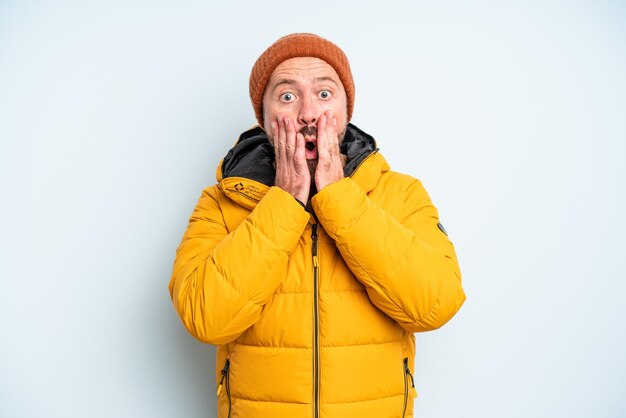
(324, 346)
(308, 403)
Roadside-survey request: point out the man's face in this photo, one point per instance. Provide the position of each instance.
(303, 89)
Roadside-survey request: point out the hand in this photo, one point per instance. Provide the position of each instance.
(292, 171)
(329, 163)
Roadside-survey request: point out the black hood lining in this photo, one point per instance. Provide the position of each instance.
(253, 156)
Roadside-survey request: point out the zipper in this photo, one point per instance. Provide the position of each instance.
(316, 339)
(361, 163)
(226, 381)
(407, 373)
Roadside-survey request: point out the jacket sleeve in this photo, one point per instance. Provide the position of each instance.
(220, 280)
(406, 263)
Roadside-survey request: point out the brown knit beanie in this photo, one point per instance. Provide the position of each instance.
(292, 46)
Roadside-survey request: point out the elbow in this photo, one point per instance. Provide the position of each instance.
(197, 315)
(443, 310)
(447, 300)
(214, 323)
(203, 325)
(208, 336)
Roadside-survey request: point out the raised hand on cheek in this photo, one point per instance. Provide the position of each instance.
(329, 164)
(292, 172)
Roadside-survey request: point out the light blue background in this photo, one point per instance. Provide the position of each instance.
(114, 115)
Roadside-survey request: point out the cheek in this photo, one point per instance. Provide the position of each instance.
(270, 115)
(341, 113)
(267, 112)
(267, 125)
(340, 110)
(271, 111)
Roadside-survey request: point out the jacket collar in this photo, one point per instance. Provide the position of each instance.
(247, 171)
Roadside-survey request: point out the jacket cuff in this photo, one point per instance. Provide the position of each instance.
(339, 205)
(280, 218)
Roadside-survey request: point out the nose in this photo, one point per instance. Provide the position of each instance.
(309, 111)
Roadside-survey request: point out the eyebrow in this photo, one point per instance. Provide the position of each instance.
(290, 81)
(326, 78)
(283, 81)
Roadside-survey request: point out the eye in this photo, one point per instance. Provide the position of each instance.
(325, 94)
(286, 97)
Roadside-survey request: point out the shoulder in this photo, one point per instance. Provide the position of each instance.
(211, 199)
(404, 184)
(213, 192)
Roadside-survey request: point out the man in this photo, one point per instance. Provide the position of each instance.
(311, 264)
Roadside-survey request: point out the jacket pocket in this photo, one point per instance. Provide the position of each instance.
(225, 381)
(407, 375)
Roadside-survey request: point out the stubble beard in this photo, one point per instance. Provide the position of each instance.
(310, 131)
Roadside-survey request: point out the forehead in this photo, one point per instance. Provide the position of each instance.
(303, 68)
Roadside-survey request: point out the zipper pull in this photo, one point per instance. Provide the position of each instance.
(314, 245)
(408, 371)
(224, 373)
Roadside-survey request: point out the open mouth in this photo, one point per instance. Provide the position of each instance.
(310, 147)
(310, 141)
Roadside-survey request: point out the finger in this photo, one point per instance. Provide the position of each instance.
(322, 137)
(331, 134)
(280, 139)
(334, 135)
(300, 156)
(290, 141)
(328, 139)
(300, 159)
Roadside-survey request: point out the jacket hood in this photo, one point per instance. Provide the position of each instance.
(253, 157)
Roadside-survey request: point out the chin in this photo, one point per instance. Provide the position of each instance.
(312, 166)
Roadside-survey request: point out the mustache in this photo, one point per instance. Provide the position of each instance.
(308, 131)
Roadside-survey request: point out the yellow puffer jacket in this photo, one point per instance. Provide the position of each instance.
(314, 317)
